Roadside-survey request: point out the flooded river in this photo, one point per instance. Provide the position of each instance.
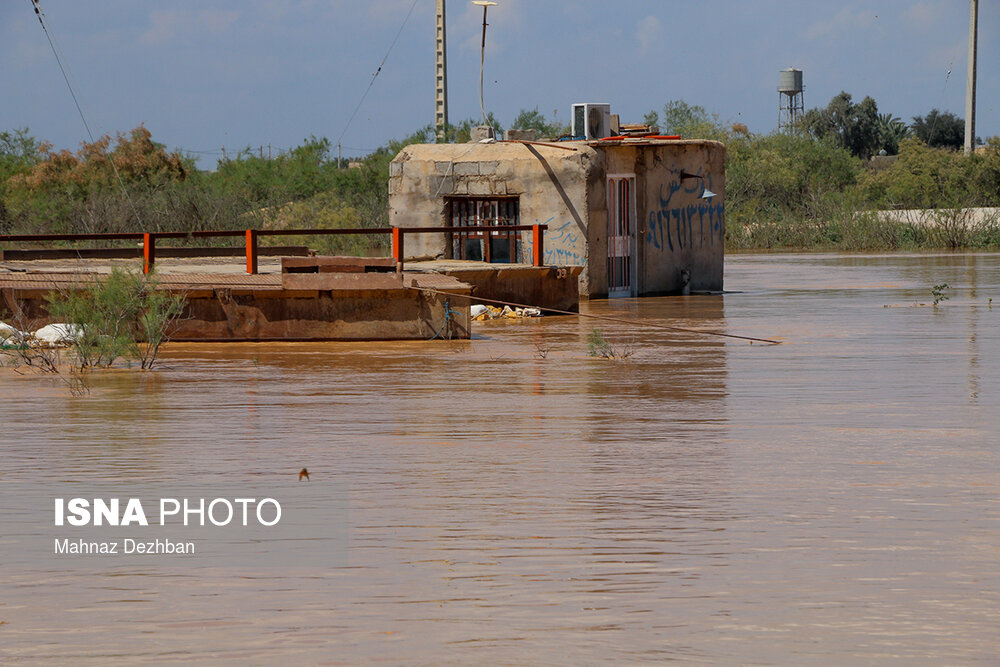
(833, 499)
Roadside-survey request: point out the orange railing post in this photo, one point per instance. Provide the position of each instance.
(251, 251)
(397, 247)
(537, 245)
(252, 239)
(148, 252)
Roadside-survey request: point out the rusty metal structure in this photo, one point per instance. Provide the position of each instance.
(313, 298)
(252, 236)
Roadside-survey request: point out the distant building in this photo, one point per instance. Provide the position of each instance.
(642, 216)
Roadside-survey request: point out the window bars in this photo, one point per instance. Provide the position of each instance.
(492, 244)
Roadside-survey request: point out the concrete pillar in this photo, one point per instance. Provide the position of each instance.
(970, 82)
(441, 77)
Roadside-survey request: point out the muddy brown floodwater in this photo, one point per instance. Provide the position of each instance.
(833, 499)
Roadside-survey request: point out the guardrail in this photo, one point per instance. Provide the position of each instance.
(251, 237)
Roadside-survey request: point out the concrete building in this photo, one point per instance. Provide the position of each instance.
(642, 216)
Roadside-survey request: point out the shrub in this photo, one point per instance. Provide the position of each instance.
(122, 316)
(922, 177)
(598, 346)
(325, 211)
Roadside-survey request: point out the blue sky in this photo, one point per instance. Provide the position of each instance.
(213, 73)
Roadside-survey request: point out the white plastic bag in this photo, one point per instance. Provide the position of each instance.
(10, 334)
(59, 334)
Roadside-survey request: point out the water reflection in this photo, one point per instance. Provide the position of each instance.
(833, 499)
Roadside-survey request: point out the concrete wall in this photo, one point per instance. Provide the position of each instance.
(962, 218)
(542, 287)
(567, 190)
(323, 315)
(677, 229)
(283, 315)
(550, 182)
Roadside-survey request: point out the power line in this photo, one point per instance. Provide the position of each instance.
(377, 72)
(944, 88)
(59, 61)
(38, 12)
(279, 149)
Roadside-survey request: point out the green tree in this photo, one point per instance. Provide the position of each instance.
(534, 120)
(690, 121)
(939, 178)
(298, 173)
(19, 152)
(53, 193)
(785, 176)
(462, 132)
(135, 157)
(852, 126)
(940, 129)
(891, 130)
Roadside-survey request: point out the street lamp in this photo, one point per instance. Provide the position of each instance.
(485, 4)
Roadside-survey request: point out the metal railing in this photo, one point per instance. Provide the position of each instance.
(251, 237)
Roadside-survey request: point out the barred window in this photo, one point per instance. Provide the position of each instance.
(493, 243)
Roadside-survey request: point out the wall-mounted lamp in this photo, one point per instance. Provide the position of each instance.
(706, 193)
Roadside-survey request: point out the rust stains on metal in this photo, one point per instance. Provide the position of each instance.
(279, 307)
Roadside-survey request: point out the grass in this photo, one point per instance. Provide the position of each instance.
(861, 231)
(598, 346)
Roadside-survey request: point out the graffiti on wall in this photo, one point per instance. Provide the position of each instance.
(682, 223)
(562, 244)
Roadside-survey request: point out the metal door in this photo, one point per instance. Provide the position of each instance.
(621, 236)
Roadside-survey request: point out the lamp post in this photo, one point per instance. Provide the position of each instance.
(485, 4)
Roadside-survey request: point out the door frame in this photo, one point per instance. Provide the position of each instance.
(629, 289)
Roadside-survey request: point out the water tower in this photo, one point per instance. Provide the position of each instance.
(791, 101)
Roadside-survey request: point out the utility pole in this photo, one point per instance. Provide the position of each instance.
(441, 79)
(970, 82)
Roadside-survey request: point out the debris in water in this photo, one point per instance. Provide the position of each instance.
(482, 313)
(59, 334)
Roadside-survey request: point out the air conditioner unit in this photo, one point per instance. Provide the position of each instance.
(591, 121)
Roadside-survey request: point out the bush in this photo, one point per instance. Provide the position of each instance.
(786, 173)
(782, 189)
(598, 346)
(922, 177)
(122, 316)
(325, 211)
(19, 152)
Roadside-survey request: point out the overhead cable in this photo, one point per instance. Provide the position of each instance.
(377, 72)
